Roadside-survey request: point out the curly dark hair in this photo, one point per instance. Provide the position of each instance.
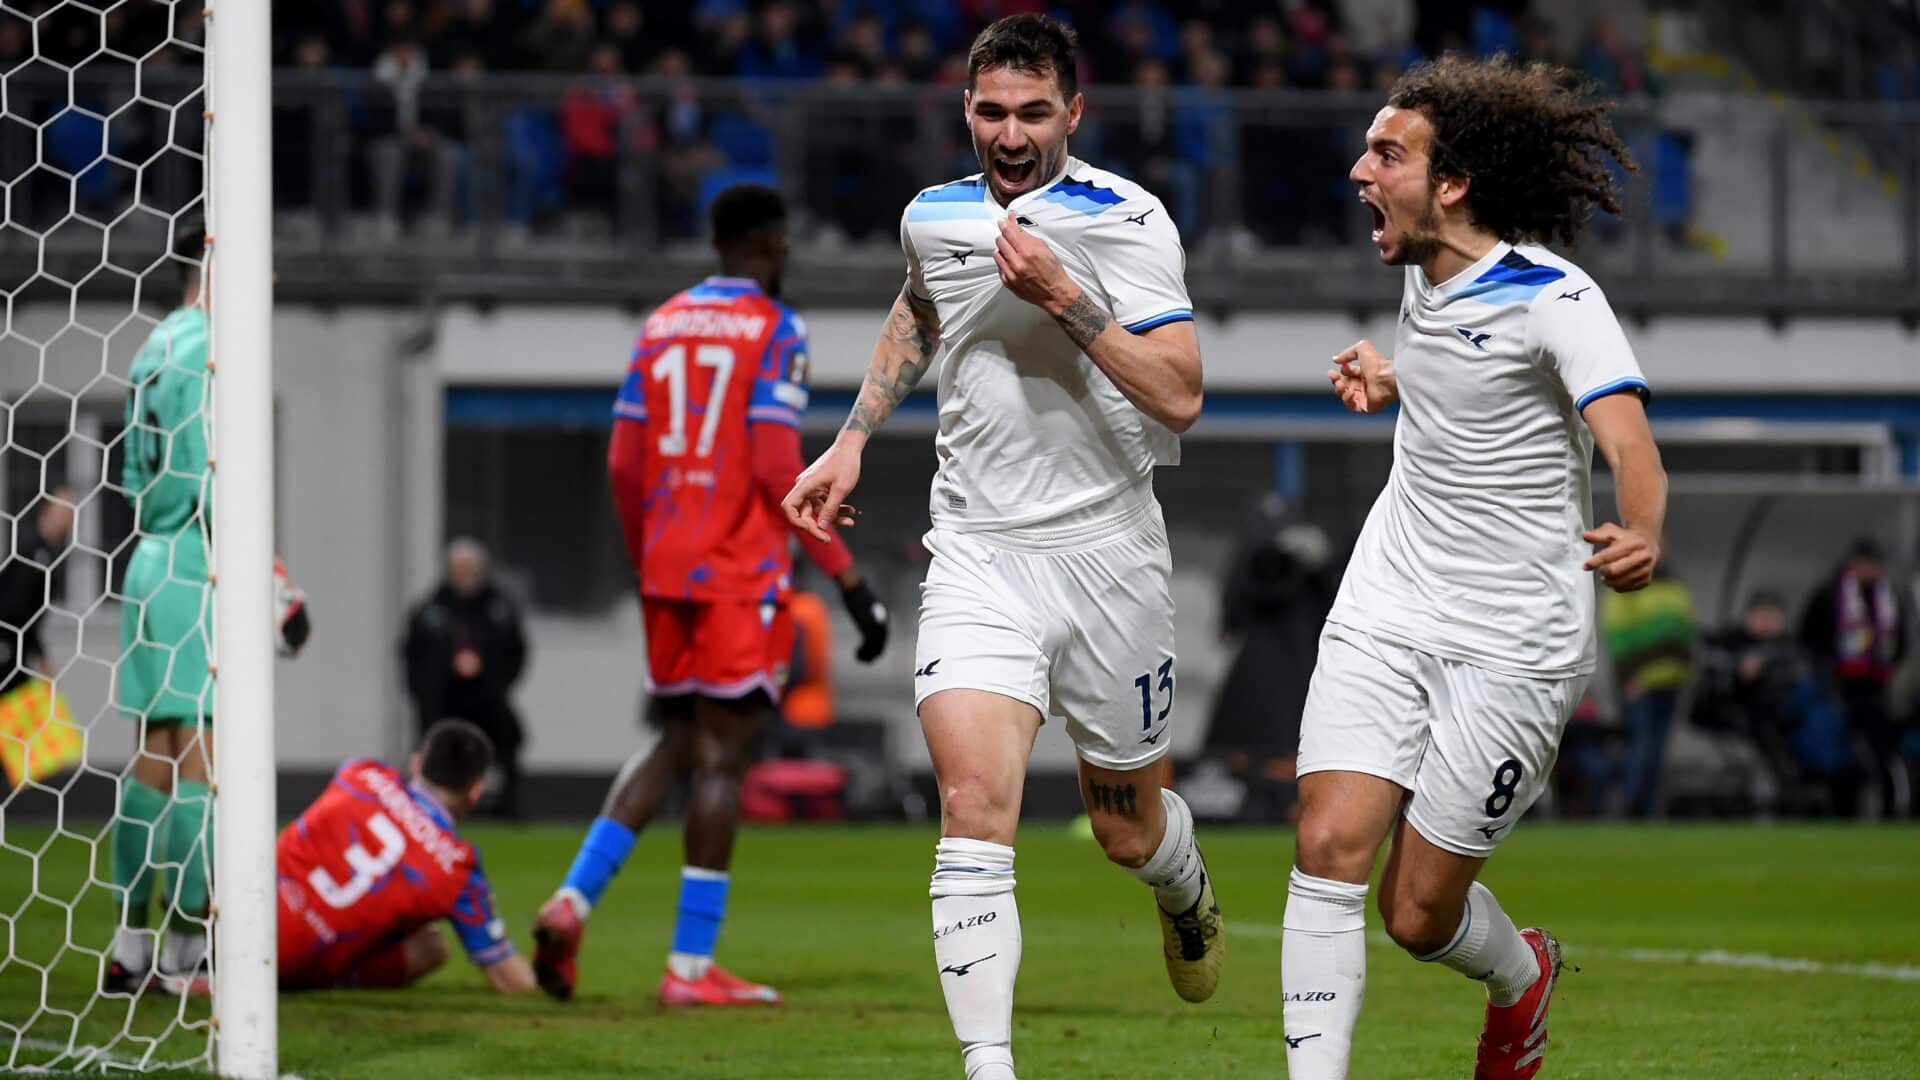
(1032, 43)
(1532, 139)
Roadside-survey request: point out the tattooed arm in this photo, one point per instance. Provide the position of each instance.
(1159, 370)
(904, 353)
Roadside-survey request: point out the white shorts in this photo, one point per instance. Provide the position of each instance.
(1473, 746)
(1083, 631)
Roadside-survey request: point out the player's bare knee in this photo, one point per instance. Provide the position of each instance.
(973, 811)
(1327, 847)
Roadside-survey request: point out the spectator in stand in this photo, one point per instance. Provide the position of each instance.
(1138, 139)
(1854, 629)
(721, 42)
(408, 146)
(628, 30)
(477, 28)
(562, 38)
(1610, 63)
(863, 41)
(1540, 41)
(1649, 636)
(919, 55)
(595, 114)
(1202, 142)
(777, 51)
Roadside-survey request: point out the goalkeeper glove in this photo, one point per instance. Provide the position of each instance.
(870, 615)
(290, 621)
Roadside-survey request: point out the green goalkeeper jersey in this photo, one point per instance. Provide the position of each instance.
(165, 473)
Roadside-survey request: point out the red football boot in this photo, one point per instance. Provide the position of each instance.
(717, 987)
(556, 947)
(1514, 1041)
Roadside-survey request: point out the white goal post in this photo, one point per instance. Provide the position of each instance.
(240, 309)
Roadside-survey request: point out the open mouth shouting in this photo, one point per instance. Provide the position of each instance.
(1015, 173)
(1379, 220)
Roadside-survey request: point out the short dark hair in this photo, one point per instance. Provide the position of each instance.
(454, 755)
(1532, 140)
(1033, 43)
(742, 210)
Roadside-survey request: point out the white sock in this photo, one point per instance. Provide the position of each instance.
(577, 900)
(133, 948)
(183, 951)
(1323, 974)
(688, 966)
(1489, 949)
(976, 945)
(1174, 869)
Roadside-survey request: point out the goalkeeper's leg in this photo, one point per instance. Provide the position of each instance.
(137, 844)
(184, 953)
(636, 796)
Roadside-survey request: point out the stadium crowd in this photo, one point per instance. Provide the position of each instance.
(631, 96)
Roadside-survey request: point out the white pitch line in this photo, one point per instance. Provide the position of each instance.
(1708, 958)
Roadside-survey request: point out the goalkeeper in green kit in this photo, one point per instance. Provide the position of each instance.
(166, 628)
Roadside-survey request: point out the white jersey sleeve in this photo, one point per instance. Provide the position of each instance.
(916, 279)
(1142, 268)
(1572, 329)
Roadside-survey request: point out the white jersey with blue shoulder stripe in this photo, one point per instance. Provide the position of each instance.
(1473, 550)
(1033, 435)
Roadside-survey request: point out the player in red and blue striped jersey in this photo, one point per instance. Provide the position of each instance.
(706, 442)
(369, 868)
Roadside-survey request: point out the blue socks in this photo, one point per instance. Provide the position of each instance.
(703, 895)
(601, 855)
(703, 904)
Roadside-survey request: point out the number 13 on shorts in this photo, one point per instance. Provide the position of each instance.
(1156, 687)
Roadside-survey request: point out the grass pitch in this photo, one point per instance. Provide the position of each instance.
(1685, 937)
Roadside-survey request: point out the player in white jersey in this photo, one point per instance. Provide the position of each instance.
(1463, 634)
(1053, 292)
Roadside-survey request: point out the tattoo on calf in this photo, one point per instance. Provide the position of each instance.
(1113, 799)
(1083, 320)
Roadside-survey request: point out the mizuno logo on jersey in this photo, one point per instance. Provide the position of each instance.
(1575, 294)
(1141, 217)
(1024, 220)
(962, 969)
(1478, 341)
(1488, 831)
(960, 255)
(927, 672)
(1294, 1044)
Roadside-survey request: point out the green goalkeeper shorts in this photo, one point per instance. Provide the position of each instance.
(166, 623)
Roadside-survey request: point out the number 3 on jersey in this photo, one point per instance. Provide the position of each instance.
(367, 867)
(671, 366)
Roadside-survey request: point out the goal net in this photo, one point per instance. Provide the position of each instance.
(136, 876)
